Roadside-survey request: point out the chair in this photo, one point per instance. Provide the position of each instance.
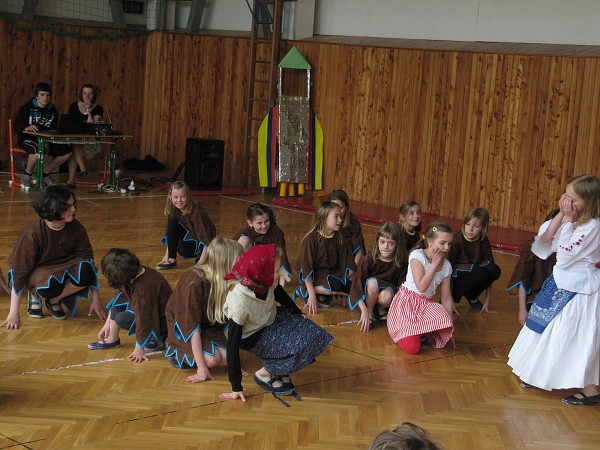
(13, 150)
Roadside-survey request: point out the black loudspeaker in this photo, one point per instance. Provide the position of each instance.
(204, 164)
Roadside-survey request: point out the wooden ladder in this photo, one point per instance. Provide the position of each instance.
(265, 41)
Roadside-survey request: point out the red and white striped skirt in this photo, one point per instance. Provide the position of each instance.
(412, 313)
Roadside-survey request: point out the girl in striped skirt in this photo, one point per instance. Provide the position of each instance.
(413, 313)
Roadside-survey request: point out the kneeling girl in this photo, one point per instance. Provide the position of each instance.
(413, 312)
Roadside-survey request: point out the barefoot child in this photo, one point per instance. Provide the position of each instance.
(414, 313)
(139, 308)
(378, 276)
(195, 319)
(282, 338)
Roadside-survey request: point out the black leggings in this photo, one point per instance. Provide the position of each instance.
(87, 277)
(472, 284)
(123, 317)
(175, 243)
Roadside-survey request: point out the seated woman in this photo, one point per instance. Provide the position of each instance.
(89, 111)
(53, 258)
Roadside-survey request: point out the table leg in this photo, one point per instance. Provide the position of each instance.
(40, 165)
(112, 164)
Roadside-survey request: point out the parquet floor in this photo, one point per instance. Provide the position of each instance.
(57, 394)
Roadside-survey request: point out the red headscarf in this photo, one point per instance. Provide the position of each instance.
(255, 268)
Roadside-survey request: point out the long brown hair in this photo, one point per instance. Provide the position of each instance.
(323, 210)
(390, 230)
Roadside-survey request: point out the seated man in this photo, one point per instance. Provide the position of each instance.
(39, 114)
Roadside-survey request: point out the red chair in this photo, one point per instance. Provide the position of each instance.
(13, 150)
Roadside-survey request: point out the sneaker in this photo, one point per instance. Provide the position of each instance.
(26, 181)
(167, 265)
(49, 181)
(324, 301)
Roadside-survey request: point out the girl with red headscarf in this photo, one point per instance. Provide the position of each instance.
(282, 338)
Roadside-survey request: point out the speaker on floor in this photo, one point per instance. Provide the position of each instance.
(204, 164)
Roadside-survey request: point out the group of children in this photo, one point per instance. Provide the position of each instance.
(226, 302)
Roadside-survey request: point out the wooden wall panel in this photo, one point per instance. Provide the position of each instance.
(116, 67)
(451, 129)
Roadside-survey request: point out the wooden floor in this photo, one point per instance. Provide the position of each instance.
(55, 393)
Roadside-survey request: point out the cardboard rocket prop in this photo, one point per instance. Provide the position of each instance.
(290, 138)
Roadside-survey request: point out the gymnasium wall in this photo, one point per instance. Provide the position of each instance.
(451, 129)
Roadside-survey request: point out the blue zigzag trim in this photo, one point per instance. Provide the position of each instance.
(303, 292)
(362, 298)
(148, 339)
(527, 291)
(178, 333)
(199, 244)
(66, 273)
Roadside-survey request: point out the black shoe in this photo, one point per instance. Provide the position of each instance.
(268, 386)
(324, 301)
(71, 185)
(167, 265)
(475, 304)
(34, 313)
(582, 400)
(59, 313)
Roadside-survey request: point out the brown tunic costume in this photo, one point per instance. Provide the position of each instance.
(41, 253)
(147, 295)
(186, 315)
(410, 240)
(531, 271)
(387, 274)
(274, 235)
(473, 267)
(321, 258)
(199, 225)
(353, 234)
(463, 254)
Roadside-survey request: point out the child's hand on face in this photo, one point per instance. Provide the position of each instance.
(567, 208)
(437, 257)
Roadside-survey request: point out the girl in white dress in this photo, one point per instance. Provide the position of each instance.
(559, 346)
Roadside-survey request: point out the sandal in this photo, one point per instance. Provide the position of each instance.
(58, 314)
(582, 399)
(268, 386)
(32, 299)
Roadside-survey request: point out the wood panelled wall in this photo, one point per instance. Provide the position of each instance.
(116, 67)
(450, 129)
